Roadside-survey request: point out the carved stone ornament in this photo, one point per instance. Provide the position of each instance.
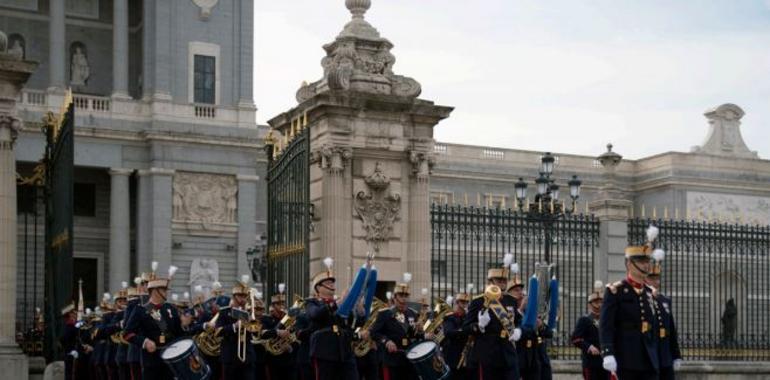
(724, 136)
(205, 6)
(13, 125)
(378, 209)
(332, 157)
(205, 198)
(360, 60)
(422, 163)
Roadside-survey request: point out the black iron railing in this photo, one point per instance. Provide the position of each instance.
(466, 241)
(717, 275)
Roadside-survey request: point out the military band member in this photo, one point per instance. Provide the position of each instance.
(586, 337)
(100, 339)
(135, 300)
(233, 320)
(69, 340)
(629, 325)
(279, 366)
(670, 356)
(154, 325)
(455, 337)
(369, 364)
(330, 335)
(490, 321)
(396, 330)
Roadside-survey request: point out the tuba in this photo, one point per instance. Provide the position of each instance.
(277, 346)
(362, 347)
(209, 341)
(433, 326)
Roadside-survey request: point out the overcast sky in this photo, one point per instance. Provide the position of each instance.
(560, 75)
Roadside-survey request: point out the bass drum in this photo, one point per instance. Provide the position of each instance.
(185, 361)
(427, 360)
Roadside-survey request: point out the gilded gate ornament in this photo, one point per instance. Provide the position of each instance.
(377, 209)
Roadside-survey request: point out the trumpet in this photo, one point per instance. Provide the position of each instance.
(433, 326)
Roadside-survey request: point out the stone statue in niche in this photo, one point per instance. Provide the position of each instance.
(203, 272)
(378, 209)
(205, 198)
(79, 69)
(729, 322)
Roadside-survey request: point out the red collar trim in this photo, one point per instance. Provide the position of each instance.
(637, 285)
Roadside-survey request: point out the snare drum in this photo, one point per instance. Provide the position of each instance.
(185, 361)
(427, 360)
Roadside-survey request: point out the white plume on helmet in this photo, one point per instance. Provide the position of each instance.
(245, 279)
(507, 260)
(281, 287)
(407, 277)
(658, 254)
(652, 233)
(154, 266)
(515, 268)
(172, 271)
(329, 262)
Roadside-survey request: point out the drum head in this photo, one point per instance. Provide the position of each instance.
(177, 349)
(421, 350)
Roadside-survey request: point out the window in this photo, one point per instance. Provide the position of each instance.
(85, 199)
(205, 79)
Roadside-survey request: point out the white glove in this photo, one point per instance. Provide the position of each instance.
(610, 364)
(74, 354)
(516, 335)
(484, 319)
(79, 324)
(677, 364)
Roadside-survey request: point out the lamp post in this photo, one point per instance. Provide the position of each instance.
(546, 208)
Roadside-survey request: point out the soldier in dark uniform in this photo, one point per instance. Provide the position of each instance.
(490, 322)
(153, 326)
(330, 335)
(279, 366)
(586, 337)
(303, 331)
(396, 329)
(629, 326)
(139, 298)
(101, 340)
(69, 340)
(368, 364)
(670, 356)
(455, 337)
(233, 320)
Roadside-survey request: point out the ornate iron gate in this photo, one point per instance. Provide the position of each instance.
(466, 241)
(288, 215)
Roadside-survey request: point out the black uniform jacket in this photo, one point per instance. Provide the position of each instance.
(669, 346)
(454, 339)
(158, 323)
(586, 334)
(621, 325)
(491, 348)
(403, 334)
(330, 335)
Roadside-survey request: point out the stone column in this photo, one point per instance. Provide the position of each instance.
(120, 49)
(57, 51)
(246, 93)
(13, 74)
(336, 226)
(148, 49)
(246, 219)
(419, 220)
(154, 218)
(120, 228)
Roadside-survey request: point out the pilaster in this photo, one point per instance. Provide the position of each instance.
(120, 229)
(247, 219)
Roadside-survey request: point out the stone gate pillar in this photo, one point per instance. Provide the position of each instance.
(612, 208)
(13, 74)
(371, 155)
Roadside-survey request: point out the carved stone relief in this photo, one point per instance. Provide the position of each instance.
(422, 163)
(741, 209)
(378, 208)
(331, 157)
(205, 198)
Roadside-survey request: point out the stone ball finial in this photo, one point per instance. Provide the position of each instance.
(3, 42)
(609, 159)
(358, 7)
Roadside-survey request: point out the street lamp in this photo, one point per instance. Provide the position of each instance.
(546, 208)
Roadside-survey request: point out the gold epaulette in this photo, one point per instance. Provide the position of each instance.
(614, 286)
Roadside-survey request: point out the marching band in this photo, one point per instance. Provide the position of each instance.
(628, 331)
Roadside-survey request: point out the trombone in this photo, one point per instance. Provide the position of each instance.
(248, 325)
